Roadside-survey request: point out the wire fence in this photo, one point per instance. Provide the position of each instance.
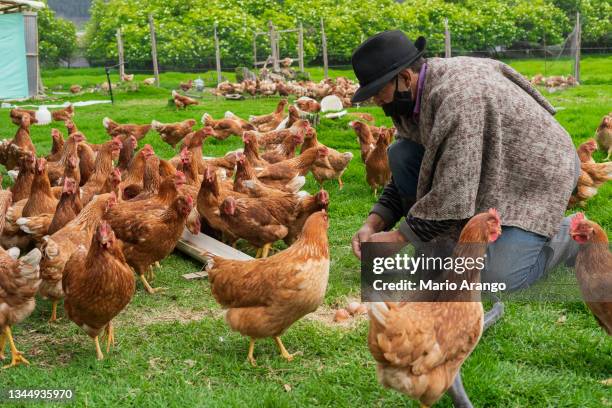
(563, 58)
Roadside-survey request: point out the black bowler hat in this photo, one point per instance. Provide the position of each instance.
(380, 58)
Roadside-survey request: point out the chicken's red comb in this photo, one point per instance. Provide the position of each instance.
(41, 163)
(576, 220)
(104, 228)
(117, 142)
(494, 213)
(179, 177)
(69, 184)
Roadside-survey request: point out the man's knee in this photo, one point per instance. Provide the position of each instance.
(518, 259)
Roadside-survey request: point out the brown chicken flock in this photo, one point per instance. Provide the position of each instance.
(93, 215)
(592, 174)
(342, 87)
(89, 216)
(554, 82)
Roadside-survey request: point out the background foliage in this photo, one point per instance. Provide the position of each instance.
(185, 27)
(56, 38)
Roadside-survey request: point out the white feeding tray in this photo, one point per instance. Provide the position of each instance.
(331, 103)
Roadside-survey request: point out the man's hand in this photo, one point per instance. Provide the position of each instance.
(388, 236)
(373, 224)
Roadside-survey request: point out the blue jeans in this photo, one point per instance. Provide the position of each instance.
(519, 257)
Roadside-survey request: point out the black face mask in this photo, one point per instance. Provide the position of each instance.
(402, 102)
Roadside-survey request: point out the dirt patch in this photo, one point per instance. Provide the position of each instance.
(145, 317)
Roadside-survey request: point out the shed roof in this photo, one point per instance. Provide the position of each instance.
(11, 6)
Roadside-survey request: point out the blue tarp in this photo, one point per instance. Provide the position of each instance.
(13, 68)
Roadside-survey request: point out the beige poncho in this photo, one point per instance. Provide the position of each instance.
(490, 142)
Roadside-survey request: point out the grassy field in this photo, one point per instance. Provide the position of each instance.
(174, 349)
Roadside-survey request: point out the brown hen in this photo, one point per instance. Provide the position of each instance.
(98, 284)
(264, 297)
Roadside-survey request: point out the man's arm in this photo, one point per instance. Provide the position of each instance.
(390, 206)
(418, 231)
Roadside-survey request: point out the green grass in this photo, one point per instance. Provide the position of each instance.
(174, 349)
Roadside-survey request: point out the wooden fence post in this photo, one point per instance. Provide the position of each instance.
(324, 45)
(217, 56)
(301, 46)
(273, 46)
(255, 51)
(447, 40)
(120, 52)
(577, 44)
(154, 49)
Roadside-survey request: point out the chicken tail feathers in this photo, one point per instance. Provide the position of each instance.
(14, 252)
(378, 312)
(28, 265)
(156, 125)
(106, 122)
(296, 183)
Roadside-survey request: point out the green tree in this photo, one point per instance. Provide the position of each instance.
(56, 38)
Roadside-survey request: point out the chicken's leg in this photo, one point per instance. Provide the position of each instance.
(148, 287)
(2, 344)
(251, 350)
(16, 356)
(266, 250)
(340, 183)
(258, 254)
(375, 191)
(53, 317)
(110, 336)
(284, 353)
(99, 354)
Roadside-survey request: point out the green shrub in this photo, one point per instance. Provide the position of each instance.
(184, 27)
(56, 38)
